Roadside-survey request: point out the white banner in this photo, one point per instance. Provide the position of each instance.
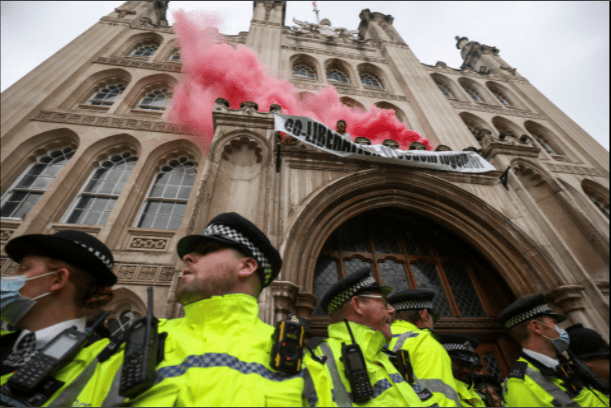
(320, 136)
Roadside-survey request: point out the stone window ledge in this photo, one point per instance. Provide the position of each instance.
(98, 108)
(147, 112)
(89, 229)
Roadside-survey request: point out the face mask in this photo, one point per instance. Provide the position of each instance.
(562, 342)
(14, 306)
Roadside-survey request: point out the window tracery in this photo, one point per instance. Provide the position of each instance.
(167, 199)
(335, 75)
(156, 100)
(304, 71)
(145, 50)
(107, 95)
(500, 97)
(472, 94)
(371, 80)
(34, 181)
(447, 93)
(175, 57)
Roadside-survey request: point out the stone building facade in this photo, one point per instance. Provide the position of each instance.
(84, 147)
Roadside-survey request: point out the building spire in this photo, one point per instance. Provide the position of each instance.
(316, 11)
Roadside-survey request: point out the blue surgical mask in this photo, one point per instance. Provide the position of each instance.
(13, 306)
(562, 342)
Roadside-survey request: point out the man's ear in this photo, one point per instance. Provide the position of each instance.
(248, 266)
(357, 305)
(60, 279)
(534, 327)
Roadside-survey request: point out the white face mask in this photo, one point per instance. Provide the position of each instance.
(14, 306)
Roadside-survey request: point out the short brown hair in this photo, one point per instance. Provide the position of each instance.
(412, 316)
(520, 332)
(342, 120)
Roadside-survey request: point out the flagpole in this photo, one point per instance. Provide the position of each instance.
(316, 11)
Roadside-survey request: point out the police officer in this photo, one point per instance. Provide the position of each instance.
(541, 377)
(59, 277)
(489, 389)
(219, 353)
(412, 331)
(461, 349)
(589, 346)
(360, 300)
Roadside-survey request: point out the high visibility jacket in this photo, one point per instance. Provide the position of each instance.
(431, 363)
(467, 396)
(389, 388)
(217, 355)
(531, 384)
(66, 373)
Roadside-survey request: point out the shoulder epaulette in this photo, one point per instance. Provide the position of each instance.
(518, 370)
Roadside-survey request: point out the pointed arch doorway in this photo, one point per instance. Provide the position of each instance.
(406, 250)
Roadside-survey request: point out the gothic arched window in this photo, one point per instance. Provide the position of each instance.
(501, 98)
(156, 100)
(167, 199)
(404, 251)
(107, 95)
(447, 93)
(370, 80)
(93, 205)
(175, 56)
(335, 75)
(473, 95)
(303, 71)
(33, 182)
(145, 50)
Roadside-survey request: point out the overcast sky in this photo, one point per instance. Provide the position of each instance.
(562, 48)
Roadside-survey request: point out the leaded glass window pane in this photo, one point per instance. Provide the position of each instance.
(501, 99)
(304, 71)
(354, 265)
(462, 288)
(167, 199)
(447, 93)
(427, 278)
(106, 96)
(599, 205)
(493, 366)
(334, 75)
(96, 201)
(325, 275)
(175, 57)
(145, 50)
(156, 100)
(545, 146)
(473, 95)
(25, 193)
(370, 80)
(393, 275)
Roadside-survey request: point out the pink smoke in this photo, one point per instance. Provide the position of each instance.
(214, 69)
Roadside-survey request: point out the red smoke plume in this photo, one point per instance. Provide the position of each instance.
(214, 69)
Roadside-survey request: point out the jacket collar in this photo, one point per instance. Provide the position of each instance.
(226, 309)
(371, 341)
(403, 326)
(545, 370)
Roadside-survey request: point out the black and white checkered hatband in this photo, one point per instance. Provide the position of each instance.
(231, 234)
(466, 346)
(342, 297)
(529, 314)
(413, 305)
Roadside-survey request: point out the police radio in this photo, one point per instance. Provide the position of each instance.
(403, 364)
(287, 352)
(356, 370)
(141, 353)
(587, 374)
(30, 378)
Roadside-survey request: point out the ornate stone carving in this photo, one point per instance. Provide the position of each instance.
(126, 272)
(568, 297)
(351, 91)
(304, 306)
(122, 12)
(166, 274)
(135, 124)
(242, 143)
(127, 62)
(324, 28)
(149, 243)
(5, 235)
(495, 110)
(512, 71)
(284, 294)
(562, 168)
(147, 273)
(333, 53)
(144, 23)
(8, 266)
(492, 145)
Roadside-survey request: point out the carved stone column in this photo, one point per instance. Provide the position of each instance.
(569, 298)
(305, 305)
(284, 295)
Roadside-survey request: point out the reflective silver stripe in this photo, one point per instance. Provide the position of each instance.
(401, 340)
(435, 385)
(339, 390)
(113, 399)
(552, 389)
(69, 394)
(309, 391)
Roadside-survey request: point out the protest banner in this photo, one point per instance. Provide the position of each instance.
(324, 138)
